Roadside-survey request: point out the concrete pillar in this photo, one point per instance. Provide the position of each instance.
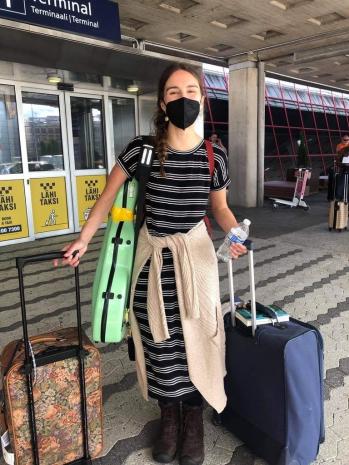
(246, 132)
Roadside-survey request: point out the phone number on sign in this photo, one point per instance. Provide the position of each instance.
(10, 229)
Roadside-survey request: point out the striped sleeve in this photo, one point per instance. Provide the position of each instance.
(128, 158)
(220, 178)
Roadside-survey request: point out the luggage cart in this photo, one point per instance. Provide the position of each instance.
(302, 176)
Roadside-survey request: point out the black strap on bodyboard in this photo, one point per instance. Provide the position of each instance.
(142, 176)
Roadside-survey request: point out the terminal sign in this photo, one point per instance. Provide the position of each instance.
(96, 18)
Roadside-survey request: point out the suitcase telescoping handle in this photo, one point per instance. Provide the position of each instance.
(250, 246)
(20, 263)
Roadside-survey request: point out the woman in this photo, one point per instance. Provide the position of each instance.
(175, 311)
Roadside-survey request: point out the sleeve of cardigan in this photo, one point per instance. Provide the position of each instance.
(220, 178)
(128, 158)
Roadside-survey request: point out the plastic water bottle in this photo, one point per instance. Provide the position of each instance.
(238, 234)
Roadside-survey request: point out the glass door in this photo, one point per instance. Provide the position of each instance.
(123, 118)
(87, 148)
(47, 162)
(15, 211)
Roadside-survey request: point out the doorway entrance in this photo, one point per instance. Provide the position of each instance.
(56, 149)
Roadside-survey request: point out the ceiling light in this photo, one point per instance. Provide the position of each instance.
(326, 19)
(54, 78)
(227, 21)
(281, 5)
(181, 37)
(287, 4)
(219, 24)
(219, 48)
(132, 24)
(178, 6)
(321, 52)
(132, 88)
(265, 35)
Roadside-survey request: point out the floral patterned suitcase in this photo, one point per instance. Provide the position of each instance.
(52, 395)
(57, 401)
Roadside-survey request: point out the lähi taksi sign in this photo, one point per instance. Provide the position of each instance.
(95, 18)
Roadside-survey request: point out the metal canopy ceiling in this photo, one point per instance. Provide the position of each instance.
(303, 39)
(54, 49)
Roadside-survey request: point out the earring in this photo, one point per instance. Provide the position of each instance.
(166, 118)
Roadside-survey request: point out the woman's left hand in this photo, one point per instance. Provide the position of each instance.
(237, 249)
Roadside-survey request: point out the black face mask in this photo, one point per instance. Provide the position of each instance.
(183, 112)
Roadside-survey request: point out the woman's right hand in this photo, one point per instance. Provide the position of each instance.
(78, 245)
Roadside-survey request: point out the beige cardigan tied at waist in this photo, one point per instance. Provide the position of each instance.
(197, 283)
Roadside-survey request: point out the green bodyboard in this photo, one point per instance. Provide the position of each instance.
(112, 282)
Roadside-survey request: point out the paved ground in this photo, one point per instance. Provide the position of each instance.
(299, 265)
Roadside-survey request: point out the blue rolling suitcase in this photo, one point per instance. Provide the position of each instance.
(274, 385)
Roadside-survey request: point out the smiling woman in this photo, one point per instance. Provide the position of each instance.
(175, 310)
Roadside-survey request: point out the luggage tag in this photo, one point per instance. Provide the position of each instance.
(9, 457)
(269, 312)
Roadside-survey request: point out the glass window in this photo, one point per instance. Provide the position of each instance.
(10, 151)
(313, 146)
(86, 77)
(43, 133)
(294, 117)
(284, 141)
(326, 142)
(279, 116)
(88, 133)
(147, 108)
(343, 122)
(308, 119)
(270, 144)
(124, 126)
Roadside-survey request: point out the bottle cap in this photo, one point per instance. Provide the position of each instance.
(247, 222)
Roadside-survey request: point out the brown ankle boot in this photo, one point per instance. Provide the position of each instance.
(192, 452)
(165, 447)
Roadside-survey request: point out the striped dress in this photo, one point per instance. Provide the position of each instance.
(175, 203)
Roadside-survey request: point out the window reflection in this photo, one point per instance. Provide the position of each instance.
(88, 133)
(10, 152)
(124, 128)
(43, 132)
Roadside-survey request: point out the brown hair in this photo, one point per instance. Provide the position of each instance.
(159, 118)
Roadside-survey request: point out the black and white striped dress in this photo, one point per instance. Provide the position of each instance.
(175, 203)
